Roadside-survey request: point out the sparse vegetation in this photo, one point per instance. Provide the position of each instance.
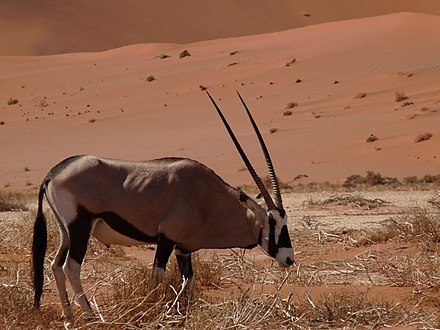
(10, 202)
(371, 179)
(400, 96)
(405, 104)
(12, 101)
(43, 103)
(349, 200)
(423, 137)
(372, 138)
(291, 62)
(291, 105)
(236, 290)
(184, 53)
(360, 95)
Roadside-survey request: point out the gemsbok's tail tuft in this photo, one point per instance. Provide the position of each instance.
(39, 245)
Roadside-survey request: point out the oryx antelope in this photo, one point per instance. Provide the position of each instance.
(176, 203)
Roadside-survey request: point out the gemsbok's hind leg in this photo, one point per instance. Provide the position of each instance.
(79, 234)
(57, 268)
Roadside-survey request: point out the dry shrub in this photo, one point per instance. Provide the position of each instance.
(360, 95)
(415, 224)
(353, 309)
(371, 179)
(291, 105)
(419, 270)
(184, 53)
(400, 96)
(16, 311)
(349, 200)
(10, 202)
(372, 138)
(423, 137)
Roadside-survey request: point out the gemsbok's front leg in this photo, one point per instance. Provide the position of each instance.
(163, 251)
(185, 266)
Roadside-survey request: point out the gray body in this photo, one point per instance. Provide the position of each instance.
(176, 197)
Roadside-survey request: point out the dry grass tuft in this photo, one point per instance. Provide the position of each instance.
(349, 200)
(10, 202)
(423, 137)
(400, 96)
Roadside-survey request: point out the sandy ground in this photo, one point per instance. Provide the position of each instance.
(327, 259)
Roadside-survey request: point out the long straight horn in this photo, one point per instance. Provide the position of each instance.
(273, 177)
(269, 202)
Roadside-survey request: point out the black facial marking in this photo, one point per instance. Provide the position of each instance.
(282, 212)
(122, 226)
(164, 248)
(284, 240)
(273, 248)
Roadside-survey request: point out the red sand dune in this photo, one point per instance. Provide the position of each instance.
(102, 103)
(43, 27)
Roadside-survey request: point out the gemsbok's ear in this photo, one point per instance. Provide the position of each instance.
(248, 202)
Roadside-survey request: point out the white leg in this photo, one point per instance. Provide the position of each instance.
(72, 270)
(57, 268)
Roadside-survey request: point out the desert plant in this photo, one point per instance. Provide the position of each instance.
(423, 137)
(12, 101)
(291, 105)
(43, 103)
(151, 78)
(12, 202)
(400, 96)
(360, 95)
(372, 138)
(184, 53)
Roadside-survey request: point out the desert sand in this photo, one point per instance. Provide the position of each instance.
(340, 80)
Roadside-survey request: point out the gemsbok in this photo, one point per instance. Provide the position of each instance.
(176, 203)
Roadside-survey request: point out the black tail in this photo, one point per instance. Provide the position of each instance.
(39, 245)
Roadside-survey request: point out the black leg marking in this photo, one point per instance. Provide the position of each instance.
(79, 233)
(184, 262)
(164, 248)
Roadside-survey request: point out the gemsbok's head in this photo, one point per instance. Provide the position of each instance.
(269, 215)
